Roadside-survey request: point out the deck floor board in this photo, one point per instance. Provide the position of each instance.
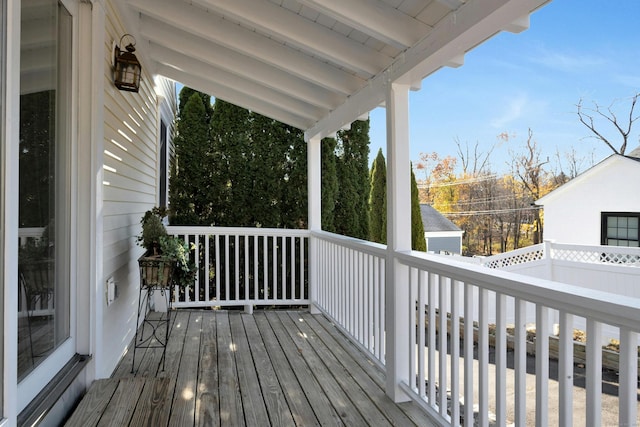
(278, 368)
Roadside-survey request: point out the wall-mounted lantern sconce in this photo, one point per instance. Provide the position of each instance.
(127, 68)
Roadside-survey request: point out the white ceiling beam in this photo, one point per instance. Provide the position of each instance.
(374, 18)
(519, 25)
(232, 36)
(234, 97)
(303, 33)
(456, 61)
(473, 23)
(242, 65)
(239, 84)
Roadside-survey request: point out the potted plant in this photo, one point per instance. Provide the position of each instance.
(165, 262)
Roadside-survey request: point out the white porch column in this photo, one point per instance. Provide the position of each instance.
(397, 322)
(314, 182)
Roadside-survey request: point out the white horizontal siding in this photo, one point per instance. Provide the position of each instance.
(131, 129)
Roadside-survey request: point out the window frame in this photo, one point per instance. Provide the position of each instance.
(30, 385)
(604, 217)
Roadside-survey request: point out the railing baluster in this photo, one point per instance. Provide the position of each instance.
(483, 357)
(542, 365)
(283, 279)
(352, 286)
(594, 372)
(275, 268)
(520, 362)
(382, 310)
(376, 304)
(501, 359)
(431, 286)
(265, 268)
(455, 352)
(361, 302)
(442, 345)
(197, 283)
(422, 303)
(565, 369)
(468, 354)
(413, 309)
(628, 365)
(256, 267)
(366, 301)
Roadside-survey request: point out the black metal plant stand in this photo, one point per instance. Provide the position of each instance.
(154, 339)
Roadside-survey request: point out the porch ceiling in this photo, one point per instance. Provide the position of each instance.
(317, 65)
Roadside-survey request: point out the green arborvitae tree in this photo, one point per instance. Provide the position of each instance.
(418, 242)
(230, 133)
(185, 94)
(190, 168)
(378, 200)
(267, 169)
(351, 210)
(329, 184)
(294, 209)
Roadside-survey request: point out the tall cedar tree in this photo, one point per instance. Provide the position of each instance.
(280, 174)
(418, 242)
(351, 210)
(329, 184)
(230, 133)
(294, 198)
(191, 169)
(378, 200)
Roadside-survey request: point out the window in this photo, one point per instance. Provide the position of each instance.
(163, 166)
(44, 183)
(620, 229)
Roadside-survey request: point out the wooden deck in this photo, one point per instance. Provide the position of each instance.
(279, 368)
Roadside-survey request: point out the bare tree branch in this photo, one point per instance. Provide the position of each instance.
(624, 129)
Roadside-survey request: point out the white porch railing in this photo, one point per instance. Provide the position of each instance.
(351, 286)
(444, 302)
(245, 267)
(444, 295)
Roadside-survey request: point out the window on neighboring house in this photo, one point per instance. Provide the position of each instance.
(164, 177)
(620, 229)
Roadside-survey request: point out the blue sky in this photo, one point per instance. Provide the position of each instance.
(587, 49)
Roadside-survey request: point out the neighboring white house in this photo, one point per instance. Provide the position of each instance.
(598, 207)
(441, 234)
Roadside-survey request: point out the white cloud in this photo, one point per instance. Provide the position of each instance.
(567, 62)
(513, 111)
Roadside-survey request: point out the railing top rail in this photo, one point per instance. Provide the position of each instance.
(233, 231)
(352, 243)
(602, 306)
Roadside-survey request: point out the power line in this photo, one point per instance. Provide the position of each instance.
(491, 212)
(423, 184)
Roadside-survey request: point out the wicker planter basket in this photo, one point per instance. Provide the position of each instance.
(155, 271)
